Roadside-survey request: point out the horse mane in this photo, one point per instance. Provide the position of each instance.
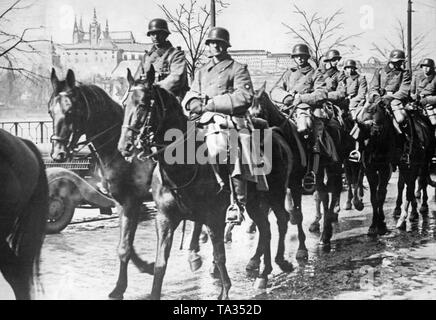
(275, 116)
(98, 101)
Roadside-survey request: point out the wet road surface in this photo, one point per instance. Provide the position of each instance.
(81, 262)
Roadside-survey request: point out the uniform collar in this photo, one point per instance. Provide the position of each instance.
(389, 70)
(162, 49)
(305, 70)
(354, 76)
(330, 72)
(222, 65)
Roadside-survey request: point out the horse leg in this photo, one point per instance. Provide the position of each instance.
(357, 198)
(259, 214)
(253, 210)
(15, 273)
(216, 233)
(373, 177)
(423, 183)
(361, 175)
(411, 196)
(384, 177)
(195, 261)
(165, 231)
(128, 214)
(399, 201)
(334, 185)
(314, 226)
(350, 181)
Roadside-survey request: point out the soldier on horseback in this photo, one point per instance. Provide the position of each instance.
(222, 89)
(392, 84)
(423, 89)
(296, 85)
(169, 62)
(356, 89)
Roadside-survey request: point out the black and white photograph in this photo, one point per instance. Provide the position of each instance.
(187, 150)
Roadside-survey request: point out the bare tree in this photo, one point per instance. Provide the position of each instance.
(15, 48)
(399, 41)
(191, 22)
(320, 34)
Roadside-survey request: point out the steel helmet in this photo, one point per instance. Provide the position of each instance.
(350, 63)
(158, 25)
(300, 49)
(332, 54)
(397, 55)
(218, 34)
(427, 62)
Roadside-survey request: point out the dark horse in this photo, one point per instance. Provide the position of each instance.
(264, 108)
(379, 152)
(79, 109)
(23, 212)
(328, 175)
(184, 191)
(417, 150)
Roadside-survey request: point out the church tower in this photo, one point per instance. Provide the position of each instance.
(76, 32)
(94, 30)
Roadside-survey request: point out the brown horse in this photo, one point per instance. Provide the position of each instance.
(23, 213)
(189, 191)
(79, 109)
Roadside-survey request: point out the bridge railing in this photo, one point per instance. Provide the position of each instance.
(35, 131)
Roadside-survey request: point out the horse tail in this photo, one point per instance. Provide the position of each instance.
(29, 232)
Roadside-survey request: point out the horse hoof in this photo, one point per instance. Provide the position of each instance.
(314, 227)
(251, 228)
(195, 261)
(397, 212)
(423, 210)
(116, 294)
(284, 265)
(401, 224)
(302, 254)
(260, 283)
(382, 229)
(358, 205)
(347, 205)
(253, 265)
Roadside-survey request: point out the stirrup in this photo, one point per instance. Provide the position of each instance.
(354, 156)
(309, 181)
(234, 215)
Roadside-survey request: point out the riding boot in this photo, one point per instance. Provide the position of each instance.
(235, 214)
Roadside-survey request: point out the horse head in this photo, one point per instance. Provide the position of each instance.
(256, 109)
(375, 115)
(67, 108)
(144, 116)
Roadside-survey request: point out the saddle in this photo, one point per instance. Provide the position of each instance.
(247, 161)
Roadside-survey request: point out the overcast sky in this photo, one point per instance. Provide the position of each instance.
(252, 24)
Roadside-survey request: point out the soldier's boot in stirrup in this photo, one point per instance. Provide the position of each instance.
(235, 211)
